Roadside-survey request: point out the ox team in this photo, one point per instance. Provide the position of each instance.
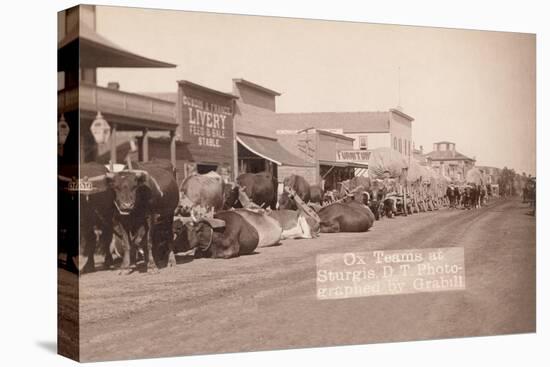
(154, 218)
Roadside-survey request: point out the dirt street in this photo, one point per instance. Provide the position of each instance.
(268, 300)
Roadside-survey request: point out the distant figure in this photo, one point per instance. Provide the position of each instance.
(450, 193)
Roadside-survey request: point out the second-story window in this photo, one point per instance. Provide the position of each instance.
(400, 145)
(363, 143)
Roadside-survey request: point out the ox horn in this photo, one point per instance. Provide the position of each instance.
(214, 222)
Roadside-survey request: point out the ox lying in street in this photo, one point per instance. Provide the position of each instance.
(349, 216)
(228, 234)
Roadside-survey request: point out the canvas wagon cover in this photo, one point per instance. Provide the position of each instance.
(386, 159)
(416, 171)
(475, 176)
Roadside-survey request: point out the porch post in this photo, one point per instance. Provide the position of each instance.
(173, 148)
(145, 145)
(113, 143)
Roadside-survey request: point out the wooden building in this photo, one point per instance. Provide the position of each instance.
(323, 150)
(87, 107)
(258, 146)
(206, 126)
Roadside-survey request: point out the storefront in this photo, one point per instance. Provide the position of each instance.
(205, 125)
(334, 172)
(357, 158)
(257, 154)
(322, 149)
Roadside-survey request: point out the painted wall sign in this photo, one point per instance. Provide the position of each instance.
(206, 124)
(207, 121)
(352, 155)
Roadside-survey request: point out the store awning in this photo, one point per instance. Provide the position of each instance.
(271, 150)
(333, 163)
(357, 165)
(97, 51)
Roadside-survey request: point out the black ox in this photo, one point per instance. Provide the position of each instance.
(145, 200)
(84, 190)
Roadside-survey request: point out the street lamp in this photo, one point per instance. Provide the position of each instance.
(100, 129)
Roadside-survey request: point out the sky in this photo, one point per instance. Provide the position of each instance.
(476, 88)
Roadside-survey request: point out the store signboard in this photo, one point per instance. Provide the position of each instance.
(206, 123)
(352, 155)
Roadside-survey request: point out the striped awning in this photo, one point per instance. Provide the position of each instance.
(271, 150)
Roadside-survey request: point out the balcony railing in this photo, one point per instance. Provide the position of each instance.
(115, 102)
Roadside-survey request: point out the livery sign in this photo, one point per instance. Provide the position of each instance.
(205, 118)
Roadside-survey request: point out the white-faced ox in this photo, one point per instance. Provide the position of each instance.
(145, 201)
(228, 234)
(295, 224)
(206, 191)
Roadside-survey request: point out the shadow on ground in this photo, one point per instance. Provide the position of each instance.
(48, 345)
